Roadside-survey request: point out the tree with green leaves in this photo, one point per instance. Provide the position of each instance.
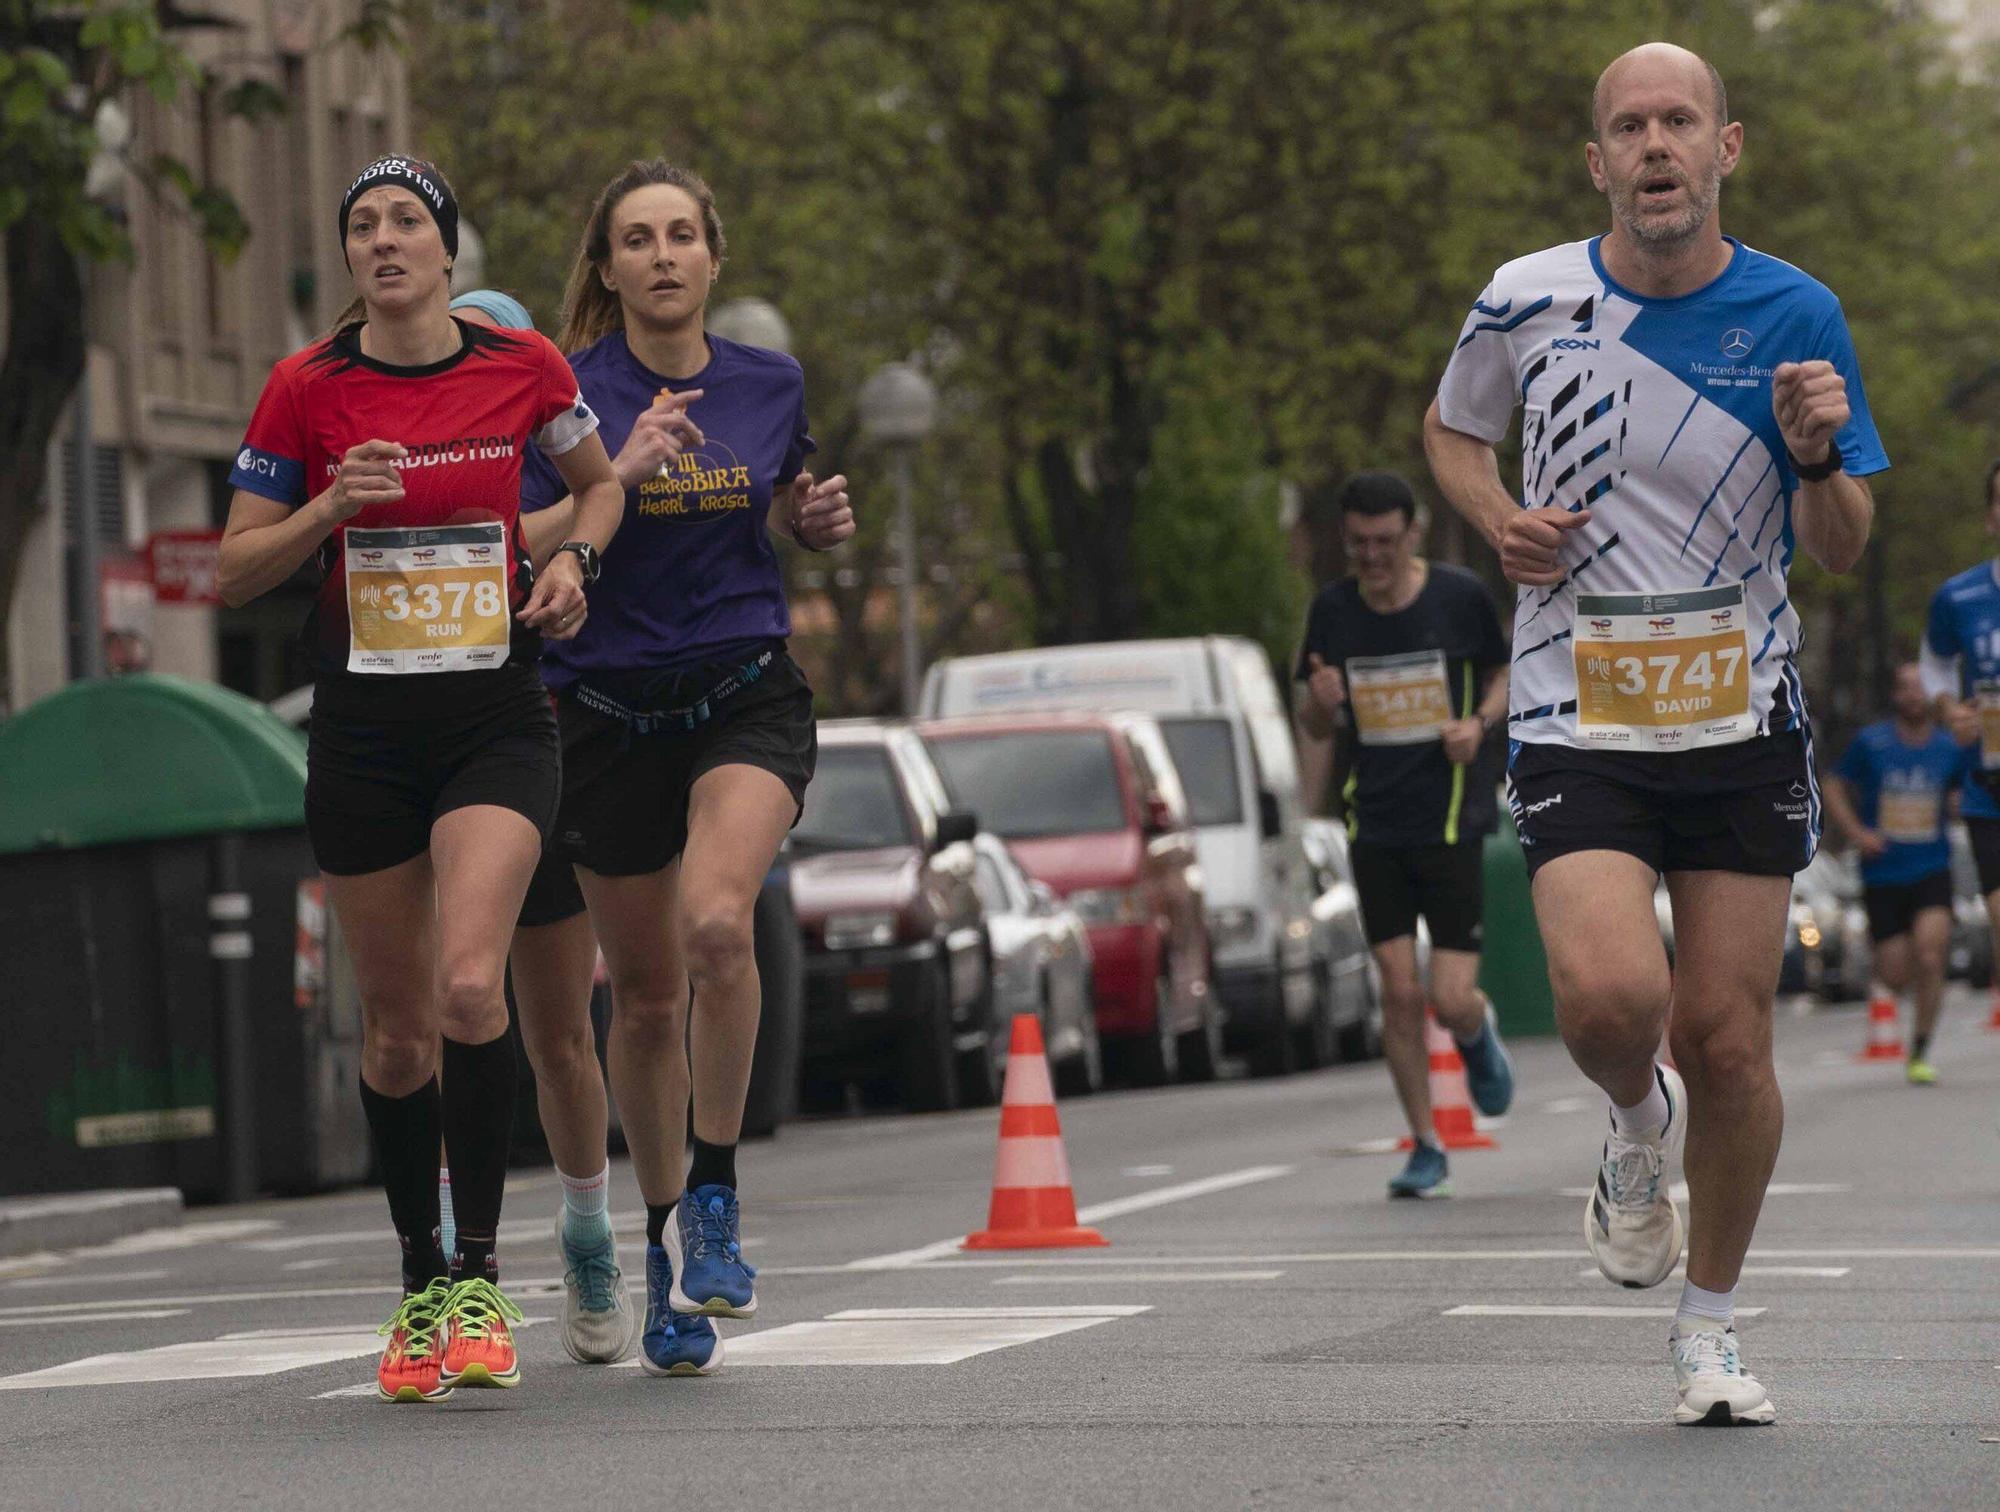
(1161, 254)
(65, 70)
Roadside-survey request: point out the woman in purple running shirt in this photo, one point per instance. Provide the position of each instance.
(688, 741)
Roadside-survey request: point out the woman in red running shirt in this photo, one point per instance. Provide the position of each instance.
(391, 452)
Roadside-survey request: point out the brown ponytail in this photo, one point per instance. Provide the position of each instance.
(590, 310)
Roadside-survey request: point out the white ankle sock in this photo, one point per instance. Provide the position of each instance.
(1705, 1309)
(586, 1205)
(1648, 1116)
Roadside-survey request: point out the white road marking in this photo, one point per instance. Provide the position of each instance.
(1679, 1190)
(545, 1286)
(208, 1359)
(1138, 1202)
(1533, 1310)
(187, 1236)
(912, 1335)
(1148, 1170)
(1822, 1272)
(90, 1280)
(1571, 1104)
(514, 1231)
(30, 1265)
(306, 1265)
(102, 1317)
(1387, 1145)
(1129, 1277)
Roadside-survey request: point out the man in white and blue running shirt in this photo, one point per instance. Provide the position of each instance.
(1692, 414)
(1960, 661)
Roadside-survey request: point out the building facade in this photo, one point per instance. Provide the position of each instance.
(181, 343)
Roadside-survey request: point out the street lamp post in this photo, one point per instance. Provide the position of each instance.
(898, 407)
(753, 322)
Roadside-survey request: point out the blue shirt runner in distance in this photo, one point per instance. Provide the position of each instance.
(1901, 790)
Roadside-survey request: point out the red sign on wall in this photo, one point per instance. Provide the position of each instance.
(185, 564)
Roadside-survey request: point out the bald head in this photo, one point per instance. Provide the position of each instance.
(1655, 63)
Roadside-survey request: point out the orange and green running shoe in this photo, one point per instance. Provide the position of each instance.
(412, 1363)
(478, 1345)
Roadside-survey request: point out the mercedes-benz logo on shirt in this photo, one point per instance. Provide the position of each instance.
(1736, 342)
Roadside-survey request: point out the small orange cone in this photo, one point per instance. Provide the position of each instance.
(1451, 1100)
(1885, 1030)
(1033, 1204)
(1993, 1022)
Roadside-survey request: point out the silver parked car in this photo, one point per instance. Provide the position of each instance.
(1347, 1019)
(1041, 966)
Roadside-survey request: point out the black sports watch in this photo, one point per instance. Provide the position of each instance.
(587, 558)
(1818, 472)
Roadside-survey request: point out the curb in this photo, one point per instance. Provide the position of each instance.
(70, 1220)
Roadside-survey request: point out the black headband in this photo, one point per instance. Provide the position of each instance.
(414, 174)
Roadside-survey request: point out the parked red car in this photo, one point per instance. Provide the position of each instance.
(1091, 805)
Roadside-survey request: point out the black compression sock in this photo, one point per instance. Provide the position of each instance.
(713, 1165)
(405, 1131)
(658, 1216)
(1920, 1045)
(478, 1124)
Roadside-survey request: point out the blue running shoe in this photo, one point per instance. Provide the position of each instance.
(710, 1276)
(1427, 1175)
(1489, 1069)
(674, 1344)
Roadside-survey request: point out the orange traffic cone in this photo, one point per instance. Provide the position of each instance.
(1451, 1100)
(1885, 1030)
(1033, 1205)
(1993, 1022)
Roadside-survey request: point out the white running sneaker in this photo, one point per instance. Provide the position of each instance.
(1716, 1391)
(1630, 1222)
(598, 1323)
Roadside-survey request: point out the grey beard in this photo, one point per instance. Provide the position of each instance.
(1658, 235)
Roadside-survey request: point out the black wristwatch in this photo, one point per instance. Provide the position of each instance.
(1818, 472)
(586, 557)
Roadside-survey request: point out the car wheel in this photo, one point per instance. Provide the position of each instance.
(1153, 1059)
(1083, 1073)
(1317, 1037)
(1277, 1052)
(927, 1064)
(1201, 1046)
(982, 1071)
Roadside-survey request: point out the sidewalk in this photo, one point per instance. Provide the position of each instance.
(69, 1220)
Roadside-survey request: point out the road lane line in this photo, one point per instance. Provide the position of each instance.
(1138, 1202)
(1537, 1310)
(1679, 1190)
(513, 1231)
(91, 1280)
(1821, 1272)
(1140, 1277)
(102, 1317)
(923, 1314)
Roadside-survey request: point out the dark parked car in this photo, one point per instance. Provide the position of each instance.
(899, 979)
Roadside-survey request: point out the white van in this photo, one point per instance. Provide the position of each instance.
(1219, 709)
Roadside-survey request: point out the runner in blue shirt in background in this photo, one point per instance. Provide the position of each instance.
(1890, 796)
(1961, 667)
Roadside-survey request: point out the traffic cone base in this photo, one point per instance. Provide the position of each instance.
(1993, 1021)
(1451, 1100)
(1885, 1031)
(1033, 1204)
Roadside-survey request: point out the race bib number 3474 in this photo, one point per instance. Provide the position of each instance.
(427, 600)
(1663, 671)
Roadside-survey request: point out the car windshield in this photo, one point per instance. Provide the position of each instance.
(1205, 757)
(853, 803)
(1033, 783)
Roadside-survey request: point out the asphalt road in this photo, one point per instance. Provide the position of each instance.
(1265, 1330)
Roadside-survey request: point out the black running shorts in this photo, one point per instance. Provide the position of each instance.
(374, 787)
(1893, 907)
(1985, 837)
(1752, 807)
(1444, 884)
(624, 810)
